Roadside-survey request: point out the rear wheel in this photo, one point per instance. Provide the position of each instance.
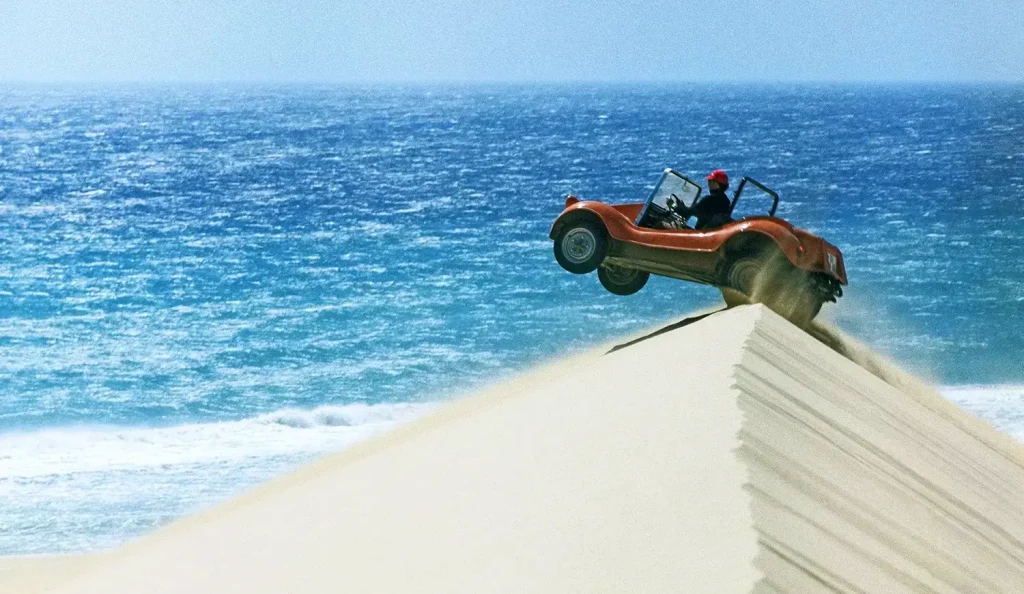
(769, 278)
(745, 274)
(580, 247)
(621, 280)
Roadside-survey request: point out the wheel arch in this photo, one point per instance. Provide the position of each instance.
(756, 266)
(576, 215)
(756, 241)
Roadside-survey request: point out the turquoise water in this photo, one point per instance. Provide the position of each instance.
(203, 286)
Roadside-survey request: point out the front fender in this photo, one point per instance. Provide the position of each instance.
(613, 219)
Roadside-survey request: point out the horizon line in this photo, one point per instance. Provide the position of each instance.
(509, 82)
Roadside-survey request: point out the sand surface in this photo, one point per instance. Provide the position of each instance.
(732, 454)
(29, 574)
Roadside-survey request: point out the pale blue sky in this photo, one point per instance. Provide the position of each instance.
(529, 40)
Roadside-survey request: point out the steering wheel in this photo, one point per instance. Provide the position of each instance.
(672, 213)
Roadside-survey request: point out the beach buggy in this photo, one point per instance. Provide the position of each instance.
(755, 258)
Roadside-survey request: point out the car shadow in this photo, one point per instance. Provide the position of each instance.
(669, 328)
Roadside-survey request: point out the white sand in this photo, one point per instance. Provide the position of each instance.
(30, 574)
(735, 454)
(864, 485)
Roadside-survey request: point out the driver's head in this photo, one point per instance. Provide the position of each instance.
(718, 179)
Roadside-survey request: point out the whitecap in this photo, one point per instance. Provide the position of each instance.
(88, 193)
(1001, 405)
(62, 451)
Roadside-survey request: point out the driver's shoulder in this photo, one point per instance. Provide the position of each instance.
(722, 199)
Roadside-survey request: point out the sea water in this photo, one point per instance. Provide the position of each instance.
(201, 287)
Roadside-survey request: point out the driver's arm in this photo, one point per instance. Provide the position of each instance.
(680, 208)
(703, 208)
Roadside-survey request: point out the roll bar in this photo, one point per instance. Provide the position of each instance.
(760, 186)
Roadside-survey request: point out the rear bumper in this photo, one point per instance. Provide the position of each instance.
(833, 262)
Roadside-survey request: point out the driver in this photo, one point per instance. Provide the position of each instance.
(713, 210)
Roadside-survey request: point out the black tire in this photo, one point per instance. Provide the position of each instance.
(621, 280)
(770, 278)
(744, 274)
(581, 246)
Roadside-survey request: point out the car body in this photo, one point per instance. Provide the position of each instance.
(632, 241)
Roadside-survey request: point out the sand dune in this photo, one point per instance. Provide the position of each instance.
(735, 453)
(29, 574)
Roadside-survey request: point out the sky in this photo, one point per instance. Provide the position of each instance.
(525, 41)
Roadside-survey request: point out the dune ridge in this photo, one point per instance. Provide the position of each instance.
(889, 486)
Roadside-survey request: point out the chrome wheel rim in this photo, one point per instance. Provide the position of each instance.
(579, 245)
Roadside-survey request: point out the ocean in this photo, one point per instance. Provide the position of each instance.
(204, 286)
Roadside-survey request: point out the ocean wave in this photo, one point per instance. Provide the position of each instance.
(1001, 405)
(352, 415)
(288, 432)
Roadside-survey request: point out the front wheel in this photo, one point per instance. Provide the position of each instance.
(622, 281)
(580, 247)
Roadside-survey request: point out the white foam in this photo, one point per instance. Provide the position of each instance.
(1002, 405)
(281, 433)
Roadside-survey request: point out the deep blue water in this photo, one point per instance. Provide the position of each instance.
(202, 286)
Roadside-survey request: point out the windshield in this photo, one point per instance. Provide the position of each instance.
(671, 185)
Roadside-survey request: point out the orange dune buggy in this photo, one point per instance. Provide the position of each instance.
(753, 259)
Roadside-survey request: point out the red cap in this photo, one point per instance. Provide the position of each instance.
(719, 176)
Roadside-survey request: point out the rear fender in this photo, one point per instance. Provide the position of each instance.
(803, 250)
(820, 256)
(752, 241)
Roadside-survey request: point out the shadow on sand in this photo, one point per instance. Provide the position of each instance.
(669, 328)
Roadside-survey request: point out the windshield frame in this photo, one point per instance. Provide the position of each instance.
(667, 175)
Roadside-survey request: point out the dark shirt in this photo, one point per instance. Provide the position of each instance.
(712, 211)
